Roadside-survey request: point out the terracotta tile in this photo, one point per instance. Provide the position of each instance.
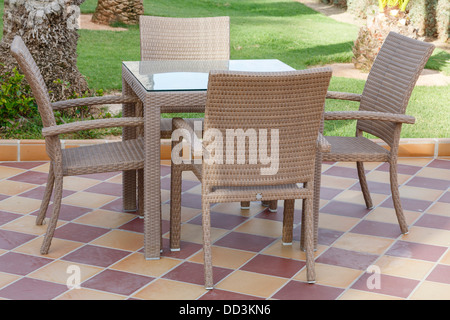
(112, 189)
(434, 221)
(441, 273)
(79, 232)
(431, 291)
(244, 241)
(218, 294)
(430, 183)
(194, 233)
(379, 229)
(416, 150)
(406, 169)
(163, 289)
(23, 164)
(136, 263)
(116, 205)
(59, 272)
(136, 225)
(375, 187)
(33, 152)
(6, 217)
(404, 267)
(219, 220)
(33, 177)
(8, 153)
(408, 204)
(96, 256)
(11, 239)
(120, 239)
(363, 243)
(296, 290)
(38, 193)
(345, 209)
(352, 294)
(225, 257)
(235, 208)
(66, 212)
(45, 167)
(194, 273)
(117, 282)
(250, 283)
(275, 266)
(389, 285)
(88, 294)
(21, 264)
(343, 172)
(87, 199)
(414, 250)
(290, 251)
(105, 218)
(333, 276)
(438, 163)
(347, 258)
(187, 249)
(32, 289)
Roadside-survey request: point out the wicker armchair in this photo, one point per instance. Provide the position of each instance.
(291, 103)
(115, 156)
(164, 38)
(381, 113)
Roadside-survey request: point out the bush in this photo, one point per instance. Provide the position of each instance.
(16, 100)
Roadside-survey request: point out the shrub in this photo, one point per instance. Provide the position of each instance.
(16, 100)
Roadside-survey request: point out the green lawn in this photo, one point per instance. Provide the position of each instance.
(277, 29)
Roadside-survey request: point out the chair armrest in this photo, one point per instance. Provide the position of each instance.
(369, 115)
(343, 96)
(196, 144)
(91, 124)
(322, 144)
(93, 101)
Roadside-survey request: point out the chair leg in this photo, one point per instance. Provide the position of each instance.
(207, 256)
(396, 197)
(363, 183)
(272, 204)
(316, 201)
(175, 207)
(245, 205)
(58, 176)
(140, 192)
(47, 195)
(288, 221)
(309, 240)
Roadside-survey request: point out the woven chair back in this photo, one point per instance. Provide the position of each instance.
(391, 80)
(34, 78)
(164, 38)
(287, 106)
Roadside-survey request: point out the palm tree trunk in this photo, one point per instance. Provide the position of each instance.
(125, 11)
(49, 29)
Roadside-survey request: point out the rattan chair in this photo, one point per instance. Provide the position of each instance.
(108, 157)
(166, 38)
(381, 113)
(291, 102)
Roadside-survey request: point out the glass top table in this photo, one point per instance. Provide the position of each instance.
(182, 75)
(159, 85)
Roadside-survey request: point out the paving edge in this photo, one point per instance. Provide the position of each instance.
(34, 150)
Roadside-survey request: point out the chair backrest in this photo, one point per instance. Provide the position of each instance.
(288, 106)
(34, 78)
(164, 38)
(391, 80)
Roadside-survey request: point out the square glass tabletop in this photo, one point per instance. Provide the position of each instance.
(182, 75)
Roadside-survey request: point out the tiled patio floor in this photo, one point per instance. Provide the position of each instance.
(105, 243)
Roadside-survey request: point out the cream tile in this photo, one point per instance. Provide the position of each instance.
(105, 218)
(162, 289)
(431, 236)
(403, 267)
(42, 168)
(388, 215)
(74, 183)
(120, 239)
(58, 248)
(88, 200)
(262, 227)
(7, 172)
(194, 233)
(88, 294)
(431, 291)
(353, 294)
(20, 205)
(7, 278)
(291, 251)
(11, 188)
(135, 263)
(446, 258)
(336, 222)
(26, 224)
(331, 275)
(186, 213)
(252, 283)
(60, 272)
(419, 193)
(225, 257)
(440, 208)
(363, 243)
(354, 196)
(235, 208)
(435, 173)
(336, 182)
(383, 177)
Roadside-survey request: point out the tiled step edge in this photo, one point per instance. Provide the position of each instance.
(34, 150)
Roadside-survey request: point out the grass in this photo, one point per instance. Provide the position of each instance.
(276, 29)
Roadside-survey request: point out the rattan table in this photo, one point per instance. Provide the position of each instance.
(162, 85)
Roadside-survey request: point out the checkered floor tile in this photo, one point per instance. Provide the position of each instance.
(361, 253)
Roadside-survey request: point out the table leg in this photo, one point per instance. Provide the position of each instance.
(128, 177)
(152, 182)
